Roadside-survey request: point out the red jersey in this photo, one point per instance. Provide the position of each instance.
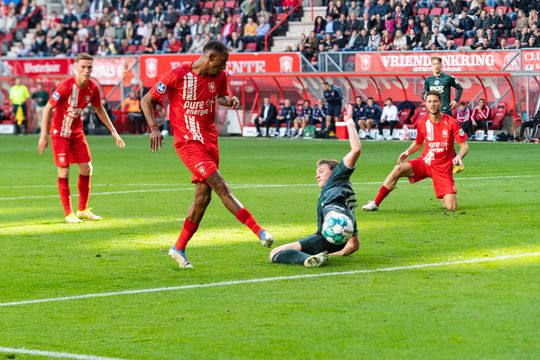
(438, 151)
(193, 101)
(69, 101)
(480, 114)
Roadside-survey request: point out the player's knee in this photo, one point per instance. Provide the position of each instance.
(273, 253)
(63, 172)
(86, 169)
(204, 199)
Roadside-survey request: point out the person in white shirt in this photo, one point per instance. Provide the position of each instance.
(389, 116)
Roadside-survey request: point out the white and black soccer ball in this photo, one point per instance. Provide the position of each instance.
(337, 227)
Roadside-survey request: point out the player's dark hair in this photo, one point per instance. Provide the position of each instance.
(462, 103)
(330, 163)
(214, 45)
(434, 93)
(84, 56)
(370, 98)
(307, 100)
(437, 58)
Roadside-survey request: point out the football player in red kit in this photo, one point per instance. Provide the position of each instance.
(68, 142)
(438, 131)
(194, 91)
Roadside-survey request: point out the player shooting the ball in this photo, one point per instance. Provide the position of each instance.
(337, 200)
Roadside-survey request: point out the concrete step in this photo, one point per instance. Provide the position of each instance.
(281, 42)
(298, 28)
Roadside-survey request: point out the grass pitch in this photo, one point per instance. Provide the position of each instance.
(478, 310)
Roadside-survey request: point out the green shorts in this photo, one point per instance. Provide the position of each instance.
(316, 243)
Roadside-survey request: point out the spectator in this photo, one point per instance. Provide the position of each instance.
(372, 113)
(227, 29)
(171, 17)
(386, 41)
(389, 115)
(412, 41)
(354, 10)
(97, 7)
(480, 116)
(463, 116)
(250, 31)
(425, 39)
(203, 27)
(187, 43)
(329, 27)
(236, 44)
(374, 40)
(341, 24)
(320, 25)
(381, 8)
(267, 117)
(131, 105)
(533, 124)
(313, 40)
(521, 23)
(286, 115)
(198, 44)
(352, 25)
(466, 25)
(18, 94)
(262, 30)
(319, 114)
(249, 9)
(437, 39)
(359, 118)
(339, 41)
(400, 20)
(400, 42)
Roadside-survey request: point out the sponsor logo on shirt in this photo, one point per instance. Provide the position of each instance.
(161, 87)
(437, 88)
(56, 96)
(199, 108)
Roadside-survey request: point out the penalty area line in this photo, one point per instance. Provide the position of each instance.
(53, 354)
(269, 279)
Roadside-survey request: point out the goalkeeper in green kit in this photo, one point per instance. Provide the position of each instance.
(443, 83)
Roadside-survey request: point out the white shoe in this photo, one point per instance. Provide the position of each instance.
(266, 238)
(72, 218)
(88, 215)
(316, 260)
(379, 137)
(362, 134)
(370, 206)
(180, 257)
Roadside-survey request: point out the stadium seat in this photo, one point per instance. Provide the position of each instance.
(404, 116)
(435, 11)
(504, 8)
(140, 49)
(208, 5)
(184, 17)
(497, 121)
(251, 47)
(487, 8)
(470, 41)
(418, 113)
(195, 18)
(220, 4)
(424, 11)
(131, 49)
(230, 4)
(205, 17)
(459, 41)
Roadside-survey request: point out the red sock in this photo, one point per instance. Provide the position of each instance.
(187, 232)
(84, 191)
(63, 190)
(245, 217)
(383, 192)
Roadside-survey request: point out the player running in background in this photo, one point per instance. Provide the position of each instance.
(439, 131)
(443, 83)
(336, 192)
(194, 91)
(68, 143)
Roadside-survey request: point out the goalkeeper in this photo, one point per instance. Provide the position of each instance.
(337, 194)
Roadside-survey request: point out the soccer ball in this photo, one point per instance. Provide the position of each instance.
(337, 227)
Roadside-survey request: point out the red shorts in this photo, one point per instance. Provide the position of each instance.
(443, 182)
(201, 159)
(73, 150)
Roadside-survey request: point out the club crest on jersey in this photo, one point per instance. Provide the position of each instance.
(56, 96)
(87, 98)
(161, 87)
(445, 133)
(436, 82)
(212, 86)
(461, 132)
(202, 170)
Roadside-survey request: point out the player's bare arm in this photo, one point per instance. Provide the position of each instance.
(414, 147)
(463, 150)
(352, 245)
(354, 141)
(147, 107)
(45, 123)
(104, 117)
(228, 101)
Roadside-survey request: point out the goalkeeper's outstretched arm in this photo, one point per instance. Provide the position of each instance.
(356, 147)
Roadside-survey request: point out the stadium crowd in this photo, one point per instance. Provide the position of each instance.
(117, 27)
(393, 25)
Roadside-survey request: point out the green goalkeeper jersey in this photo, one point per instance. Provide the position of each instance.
(338, 191)
(443, 84)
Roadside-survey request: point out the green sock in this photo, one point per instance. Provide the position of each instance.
(290, 256)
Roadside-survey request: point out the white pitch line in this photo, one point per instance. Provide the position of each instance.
(239, 186)
(269, 279)
(53, 354)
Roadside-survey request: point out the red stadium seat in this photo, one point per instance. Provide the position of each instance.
(470, 41)
(131, 49)
(505, 9)
(424, 11)
(459, 41)
(251, 47)
(194, 18)
(435, 11)
(205, 17)
(208, 5)
(184, 17)
(220, 4)
(498, 118)
(140, 49)
(404, 116)
(418, 113)
(487, 8)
